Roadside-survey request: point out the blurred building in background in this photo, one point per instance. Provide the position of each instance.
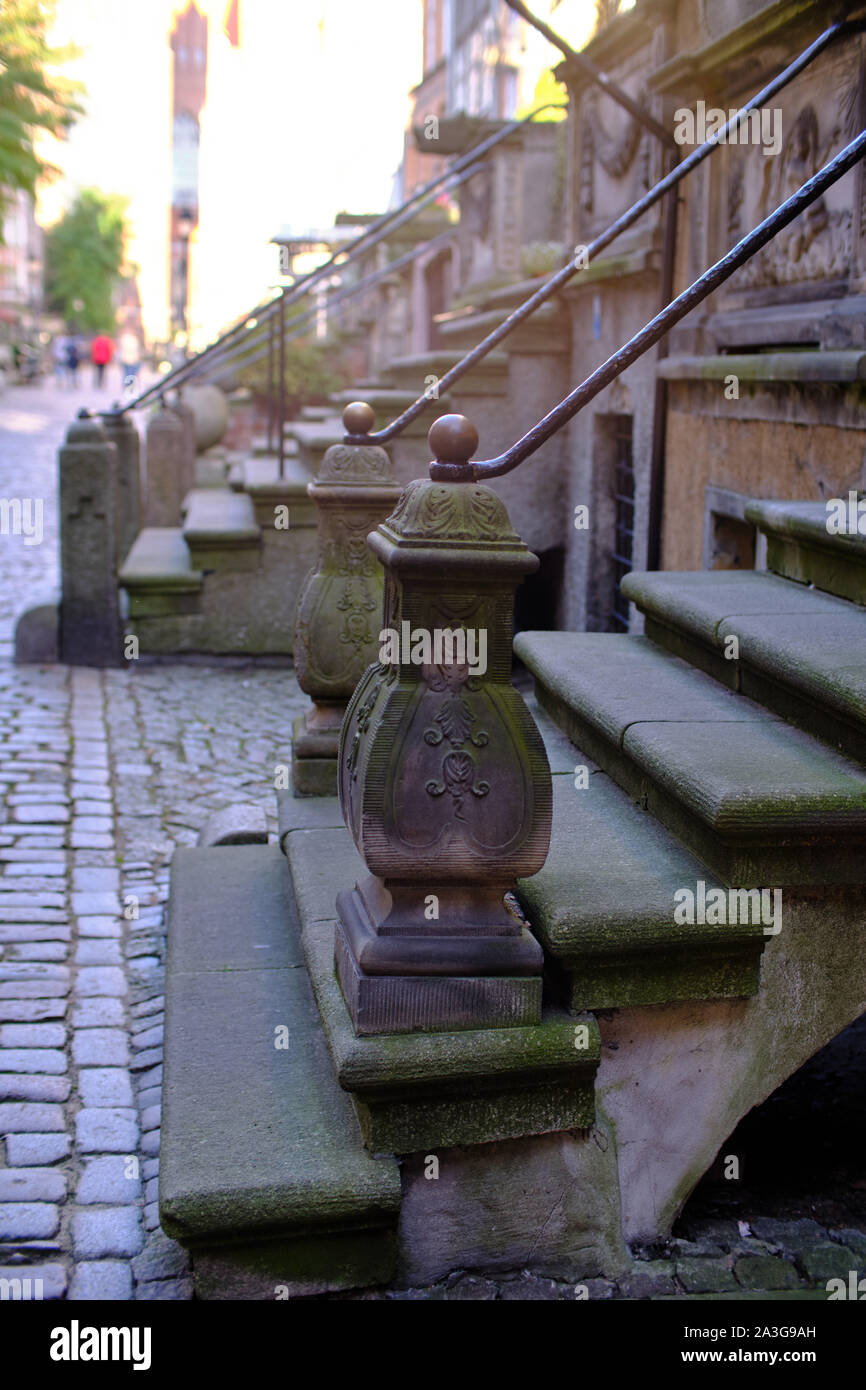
(21, 256)
(189, 93)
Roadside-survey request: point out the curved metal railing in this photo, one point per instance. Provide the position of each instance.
(584, 255)
(456, 443)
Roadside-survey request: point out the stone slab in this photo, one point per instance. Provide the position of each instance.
(800, 653)
(615, 681)
(292, 814)
(761, 803)
(259, 1144)
(699, 601)
(37, 635)
(243, 823)
(603, 908)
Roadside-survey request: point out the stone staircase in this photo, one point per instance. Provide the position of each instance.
(694, 780)
(226, 581)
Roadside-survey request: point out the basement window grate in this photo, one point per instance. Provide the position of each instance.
(623, 496)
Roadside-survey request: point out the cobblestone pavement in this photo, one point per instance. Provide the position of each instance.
(102, 774)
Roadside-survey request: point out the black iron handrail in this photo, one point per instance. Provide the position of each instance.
(460, 444)
(383, 226)
(584, 255)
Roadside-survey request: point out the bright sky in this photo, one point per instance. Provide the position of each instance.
(305, 119)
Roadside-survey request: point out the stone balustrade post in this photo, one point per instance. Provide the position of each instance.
(443, 777)
(165, 468)
(122, 433)
(340, 607)
(90, 627)
(185, 413)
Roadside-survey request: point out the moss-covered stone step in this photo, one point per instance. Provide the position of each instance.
(612, 903)
(803, 542)
(221, 531)
(416, 1092)
(158, 574)
(798, 652)
(263, 1175)
(761, 803)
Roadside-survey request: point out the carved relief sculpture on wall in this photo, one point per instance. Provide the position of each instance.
(817, 245)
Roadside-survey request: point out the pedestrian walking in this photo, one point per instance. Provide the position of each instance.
(72, 360)
(101, 353)
(59, 347)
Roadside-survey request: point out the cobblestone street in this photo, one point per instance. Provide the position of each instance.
(102, 775)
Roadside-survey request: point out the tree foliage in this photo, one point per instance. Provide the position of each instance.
(84, 255)
(32, 98)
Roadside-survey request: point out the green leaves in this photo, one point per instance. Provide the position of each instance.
(84, 254)
(32, 98)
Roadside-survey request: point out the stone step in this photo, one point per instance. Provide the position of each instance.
(158, 574)
(220, 529)
(546, 330)
(312, 439)
(259, 477)
(419, 1092)
(263, 1175)
(487, 377)
(761, 803)
(799, 652)
(805, 542)
(611, 905)
(260, 441)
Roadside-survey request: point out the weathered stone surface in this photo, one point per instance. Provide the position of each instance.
(166, 471)
(340, 606)
(690, 1071)
(243, 823)
(101, 1280)
(257, 1137)
(705, 1275)
(443, 1089)
(758, 801)
(158, 575)
(790, 641)
(105, 1232)
(90, 629)
(221, 531)
(765, 1272)
(37, 635)
(211, 411)
(603, 906)
(457, 728)
(800, 546)
(548, 1204)
(120, 430)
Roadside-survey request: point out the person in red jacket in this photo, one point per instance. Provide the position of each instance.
(101, 353)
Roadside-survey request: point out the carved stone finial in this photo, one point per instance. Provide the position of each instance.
(358, 419)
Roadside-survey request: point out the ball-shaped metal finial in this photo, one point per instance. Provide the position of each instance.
(84, 413)
(452, 439)
(359, 418)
